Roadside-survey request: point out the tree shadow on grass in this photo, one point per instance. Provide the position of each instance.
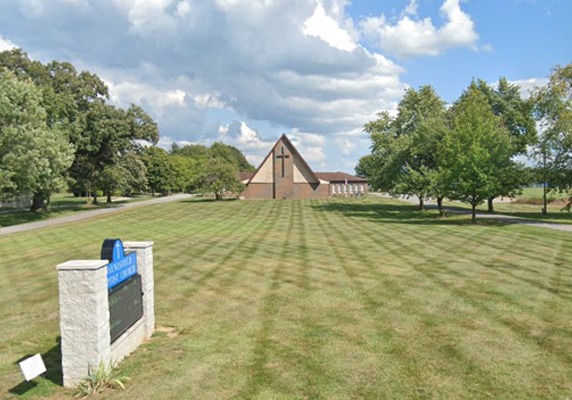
(11, 217)
(53, 361)
(405, 214)
(207, 200)
(550, 217)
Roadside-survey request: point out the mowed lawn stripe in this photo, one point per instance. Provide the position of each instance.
(413, 374)
(416, 247)
(328, 299)
(366, 329)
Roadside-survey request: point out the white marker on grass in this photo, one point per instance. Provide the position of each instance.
(32, 367)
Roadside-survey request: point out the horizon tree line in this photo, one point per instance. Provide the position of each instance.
(467, 151)
(58, 131)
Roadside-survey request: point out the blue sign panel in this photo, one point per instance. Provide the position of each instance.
(121, 267)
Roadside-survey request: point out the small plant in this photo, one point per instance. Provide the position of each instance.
(104, 377)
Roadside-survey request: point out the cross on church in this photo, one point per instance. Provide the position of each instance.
(283, 157)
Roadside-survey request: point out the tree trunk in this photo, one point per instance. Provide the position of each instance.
(109, 197)
(421, 203)
(491, 207)
(440, 207)
(38, 202)
(474, 213)
(94, 197)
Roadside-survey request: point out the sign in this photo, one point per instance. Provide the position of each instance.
(125, 306)
(32, 367)
(121, 267)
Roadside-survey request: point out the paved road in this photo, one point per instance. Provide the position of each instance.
(88, 214)
(509, 219)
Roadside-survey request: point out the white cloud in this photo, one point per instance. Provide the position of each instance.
(207, 70)
(411, 8)
(528, 85)
(6, 44)
(248, 140)
(411, 37)
(183, 9)
(38, 7)
(326, 28)
(346, 145)
(151, 17)
(125, 92)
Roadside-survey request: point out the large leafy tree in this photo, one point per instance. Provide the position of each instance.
(477, 145)
(231, 155)
(126, 176)
(110, 134)
(161, 174)
(553, 109)
(404, 157)
(218, 177)
(66, 93)
(218, 150)
(33, 155)
(516, 115)
(105, 138)
(185, 169)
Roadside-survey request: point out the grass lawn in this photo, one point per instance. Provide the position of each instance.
(535, 194)
(61, 204)
(529, 205)
(337, 299)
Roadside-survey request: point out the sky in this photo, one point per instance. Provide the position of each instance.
(245, 71)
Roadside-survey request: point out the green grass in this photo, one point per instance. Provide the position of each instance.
(555, 214)
(61, 205)
(535, 195)
(334, 299)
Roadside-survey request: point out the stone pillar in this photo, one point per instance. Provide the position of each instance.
(145, 269)
(84, 318)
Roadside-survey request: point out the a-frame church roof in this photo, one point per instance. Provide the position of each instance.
(284, 139)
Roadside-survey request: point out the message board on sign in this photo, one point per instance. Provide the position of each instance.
(125, 306)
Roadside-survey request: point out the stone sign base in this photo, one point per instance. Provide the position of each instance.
(84, 314)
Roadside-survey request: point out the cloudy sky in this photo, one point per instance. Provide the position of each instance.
(245, 71)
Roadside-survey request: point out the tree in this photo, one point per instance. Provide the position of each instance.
(126, 176)
(516, 116)
(105, 137)
(218, 150)
(185, 169)
(404, 147)
(110, 134)
(473, 150)
(33, 156)
(196, 151)
(219, 177)
(366, 167)
(231, 155)
(553, 110)
(160, 172)
(66, 94)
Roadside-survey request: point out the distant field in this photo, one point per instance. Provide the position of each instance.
(335, 299)
(535, 196)
(529, 205)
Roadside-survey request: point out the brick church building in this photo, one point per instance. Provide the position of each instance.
(284, 174)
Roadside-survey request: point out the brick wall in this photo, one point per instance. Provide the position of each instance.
(292, 191)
